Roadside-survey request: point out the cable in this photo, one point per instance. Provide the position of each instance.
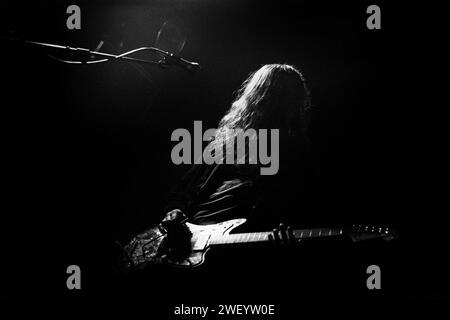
(77, 62)
(124, 56)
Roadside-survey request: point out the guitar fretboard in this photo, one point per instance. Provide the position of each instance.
(264, 236)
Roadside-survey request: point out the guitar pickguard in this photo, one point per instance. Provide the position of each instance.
(201, 236)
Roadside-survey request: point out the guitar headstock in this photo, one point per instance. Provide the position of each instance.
(365, 232)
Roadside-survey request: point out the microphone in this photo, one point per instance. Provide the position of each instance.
(171, 59)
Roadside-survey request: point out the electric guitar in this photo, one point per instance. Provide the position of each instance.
(149, 247)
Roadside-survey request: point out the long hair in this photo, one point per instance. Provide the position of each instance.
(273, 97)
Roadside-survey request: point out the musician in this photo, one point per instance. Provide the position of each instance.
(273, 97)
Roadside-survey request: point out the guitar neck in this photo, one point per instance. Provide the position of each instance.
(264, 236)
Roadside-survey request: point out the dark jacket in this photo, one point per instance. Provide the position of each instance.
(214, 193)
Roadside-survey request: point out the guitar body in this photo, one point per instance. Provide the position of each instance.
(148, 248)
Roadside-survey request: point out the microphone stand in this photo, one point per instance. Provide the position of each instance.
(87, 56)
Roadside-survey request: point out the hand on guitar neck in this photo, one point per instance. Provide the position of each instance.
(283, 236)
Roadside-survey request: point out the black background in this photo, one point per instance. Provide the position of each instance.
(87, 148)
